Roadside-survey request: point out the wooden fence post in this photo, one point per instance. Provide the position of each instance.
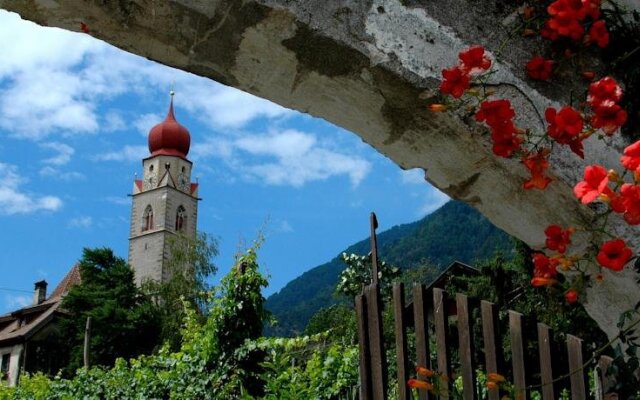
(465, 338)
(379, 376)
(517, 353)
(87, 342)
(489, 335)
(441, 321)
(578, 387)
(421, 329)
(546, 373)
(402, 360)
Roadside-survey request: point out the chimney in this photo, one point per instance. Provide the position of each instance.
(40, 293)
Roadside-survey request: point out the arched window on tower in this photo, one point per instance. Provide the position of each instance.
(147, 219)
(181, 219)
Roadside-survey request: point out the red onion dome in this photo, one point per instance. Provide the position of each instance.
(169, 138)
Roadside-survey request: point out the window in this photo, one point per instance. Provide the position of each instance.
(4, 366)
(147, 219)
(181, 219)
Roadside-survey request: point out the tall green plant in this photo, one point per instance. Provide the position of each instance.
(189, 268)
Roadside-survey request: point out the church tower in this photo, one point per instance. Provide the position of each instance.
(165, 201)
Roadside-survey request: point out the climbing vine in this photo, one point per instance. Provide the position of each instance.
(575, 29)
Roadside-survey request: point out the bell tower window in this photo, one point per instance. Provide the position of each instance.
(147, 219)
(181, 219)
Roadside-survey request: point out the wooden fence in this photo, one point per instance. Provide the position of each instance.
(429, 313)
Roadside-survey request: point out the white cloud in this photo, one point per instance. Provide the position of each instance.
(14, 201)
(127, 154)
(434, 200)
(80, 222)
(63, 156)
(113, 122)
(53, 79)
(14, 302)
(145, 122)
(49, 171)
(415, 176)
(289, 158)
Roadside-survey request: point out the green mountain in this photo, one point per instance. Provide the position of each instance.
(453, 232)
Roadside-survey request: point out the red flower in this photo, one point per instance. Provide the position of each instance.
(84, 27)
(539, 68)
(455, 82)
(537, 164)
(630, 203)
(566, 16)
(474, 60)
(557, 238)
(591, 8)
(495, 112)
(544, 267)
(609, 117)
(631, 158)
(505, 141)
(598, 33)
(548, 33)
(594, 184)
(604, 90)
(614, 254)
(576, 146)
(571, 296)
(564, 126)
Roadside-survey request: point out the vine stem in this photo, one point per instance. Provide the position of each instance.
(589, 361)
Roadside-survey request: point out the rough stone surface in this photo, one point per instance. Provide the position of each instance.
(370, 67)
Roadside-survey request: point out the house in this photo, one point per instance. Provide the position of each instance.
(27, 335)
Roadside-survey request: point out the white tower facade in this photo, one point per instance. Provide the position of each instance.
(164, 201)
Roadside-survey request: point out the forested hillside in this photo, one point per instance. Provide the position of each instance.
(453, 232)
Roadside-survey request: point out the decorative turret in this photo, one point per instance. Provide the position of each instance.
(169, 138)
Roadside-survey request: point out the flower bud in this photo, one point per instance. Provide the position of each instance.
(528, 32)
(588, 75)
(436, 107)
(613, 175)
(473, 92)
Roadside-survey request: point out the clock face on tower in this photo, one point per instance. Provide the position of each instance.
(150, 182)
(183, 182)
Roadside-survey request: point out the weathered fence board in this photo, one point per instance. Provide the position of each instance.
(432, 304)
(402, 358)
(421, 329)
(578, 384)
(489, 335)
(442, 350)
(517, 353)
(376, 345)
(465, 340)
(546, 372)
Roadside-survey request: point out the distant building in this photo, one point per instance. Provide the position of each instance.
(165, 201)
(25, 334)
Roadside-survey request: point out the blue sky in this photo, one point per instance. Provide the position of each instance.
(74, 118)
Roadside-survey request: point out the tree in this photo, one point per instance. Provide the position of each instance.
(123, 322)
(189, 267)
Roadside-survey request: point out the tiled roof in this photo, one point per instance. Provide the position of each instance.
(72, 278)
(23, 323)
